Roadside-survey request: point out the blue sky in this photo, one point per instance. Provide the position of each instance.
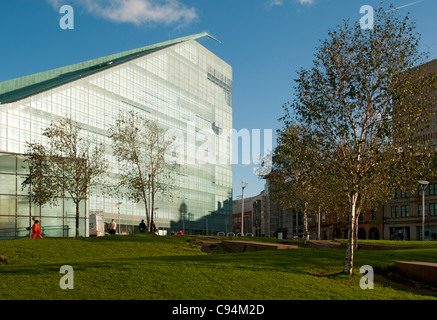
(265, 41)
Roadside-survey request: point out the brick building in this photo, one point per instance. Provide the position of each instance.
(336, 226)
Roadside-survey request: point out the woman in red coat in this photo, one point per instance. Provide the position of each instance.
(36, 230)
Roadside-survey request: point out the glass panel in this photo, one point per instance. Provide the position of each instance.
(7, 163)
(69, 208)
(23, 228)
(48, 210)
(52, 227)
(7, 183)
(7, 227)
(6, 222)
(71, 224)
(20, 189)
(7, 205)
(22, 165)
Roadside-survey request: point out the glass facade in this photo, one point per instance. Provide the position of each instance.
(58, 220)
(183, 87)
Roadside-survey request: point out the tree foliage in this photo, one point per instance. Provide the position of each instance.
(359, 110)
(68, 164)
(140, 147)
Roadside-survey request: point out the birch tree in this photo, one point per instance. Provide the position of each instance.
(141, 147)
(364, 105)
(69, 164)
(296, 176)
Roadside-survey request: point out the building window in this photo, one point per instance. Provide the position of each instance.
(420, 209)
(432, 209)
(405, 211)
(361, 217)
(395, 212)
(373, 214)
(431, 189)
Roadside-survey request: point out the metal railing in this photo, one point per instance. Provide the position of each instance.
(62, 231)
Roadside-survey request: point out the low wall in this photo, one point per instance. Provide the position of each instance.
(245, 246)
(422, 271)
(371, 246)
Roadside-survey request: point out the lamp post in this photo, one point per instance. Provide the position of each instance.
(206, 219)
(243, 186)
(149, 205)
(183, 222)
(423, 185)
(156, 216)
(118, 204)
(318, 225)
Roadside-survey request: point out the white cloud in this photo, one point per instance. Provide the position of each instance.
(276, 3)
(137, 11)
(272, 3)
(306, 1)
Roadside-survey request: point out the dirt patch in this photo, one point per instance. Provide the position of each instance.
(211, 245)
(3, 258)
(396, 279)
(325, 244)
(388, 277)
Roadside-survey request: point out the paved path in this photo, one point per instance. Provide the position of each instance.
(243, 246)
(326, 244)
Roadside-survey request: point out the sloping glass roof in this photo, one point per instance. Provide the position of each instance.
(23, 87)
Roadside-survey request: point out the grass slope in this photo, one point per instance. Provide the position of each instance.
(147, 267)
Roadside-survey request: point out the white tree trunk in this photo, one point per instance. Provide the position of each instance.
(349, 263)
(305, 224)
(357, 221)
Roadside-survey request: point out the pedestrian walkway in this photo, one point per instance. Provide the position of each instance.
(326, 244)
(244, 246)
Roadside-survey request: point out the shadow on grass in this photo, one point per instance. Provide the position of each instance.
(166, 270)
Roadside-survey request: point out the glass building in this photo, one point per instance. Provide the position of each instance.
(179, 84)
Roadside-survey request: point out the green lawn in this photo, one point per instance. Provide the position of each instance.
(146, 267)
(416, 244)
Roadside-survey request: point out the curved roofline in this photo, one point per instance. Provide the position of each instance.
(23, 87)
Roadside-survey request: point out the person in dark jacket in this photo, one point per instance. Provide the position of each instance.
(142, 227)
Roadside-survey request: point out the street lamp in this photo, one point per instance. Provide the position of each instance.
(243, 186)
(156, 215)
(206, 219)
(183, 221)
(118, 204)
(423, 185)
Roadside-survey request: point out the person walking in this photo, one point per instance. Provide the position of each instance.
(36, 229)
(112, 227)
(142, 227)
